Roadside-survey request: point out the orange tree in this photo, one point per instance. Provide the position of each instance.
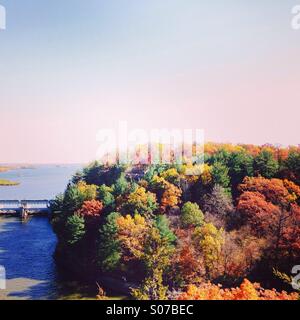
(246, 291)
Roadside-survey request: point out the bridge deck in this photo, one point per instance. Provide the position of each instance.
(30, 205)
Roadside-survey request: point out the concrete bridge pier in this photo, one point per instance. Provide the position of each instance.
(24, 213)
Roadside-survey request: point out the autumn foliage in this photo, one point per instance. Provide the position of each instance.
(270, 208)
(246, 291)
(132, 233)
(91, 208)
(187, 231)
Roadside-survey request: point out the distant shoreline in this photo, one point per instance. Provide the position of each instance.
(5, 168)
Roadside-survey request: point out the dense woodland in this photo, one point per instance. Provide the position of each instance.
(169, 235)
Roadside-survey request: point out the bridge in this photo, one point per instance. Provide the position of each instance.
(24, 207)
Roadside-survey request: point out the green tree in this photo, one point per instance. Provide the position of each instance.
(109, 251)
(57, 204)
(73, 199)
(121, 185)
(78, 176)
(221, 156)
(94, 173)
(149, 174)
(76, 194)
(240, 166)
(75, 229)
(161, 222)
(292, 164)
(98, 174)
(220, 174)
(191, 215)
(106, 197)
(266, 165)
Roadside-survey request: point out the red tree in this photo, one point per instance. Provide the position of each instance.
(270, 208)
(92, 208)
(91, 212)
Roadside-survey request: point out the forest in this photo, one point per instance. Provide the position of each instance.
(230, 233)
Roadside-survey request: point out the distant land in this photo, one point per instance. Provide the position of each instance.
(5, 168)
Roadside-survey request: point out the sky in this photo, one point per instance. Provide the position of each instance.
(69, 68)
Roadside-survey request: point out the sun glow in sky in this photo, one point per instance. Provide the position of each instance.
(71, 68)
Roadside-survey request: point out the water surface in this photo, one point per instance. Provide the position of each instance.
(38, 183)
(26, 248)
(26, 252)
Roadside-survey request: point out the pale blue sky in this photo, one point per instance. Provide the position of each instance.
(71, 67)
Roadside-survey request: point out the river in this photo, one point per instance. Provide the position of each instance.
(26, 248)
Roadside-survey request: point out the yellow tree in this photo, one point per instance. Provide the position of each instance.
(131, 234)
(88, 191)
(210, 240)
(170, 197)
(171, 175)
(157, 258)
(206, 176)
(141, 201)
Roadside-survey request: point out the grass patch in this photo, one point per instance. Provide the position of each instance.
(7, 183)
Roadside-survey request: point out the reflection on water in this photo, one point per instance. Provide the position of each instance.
(26, 252)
